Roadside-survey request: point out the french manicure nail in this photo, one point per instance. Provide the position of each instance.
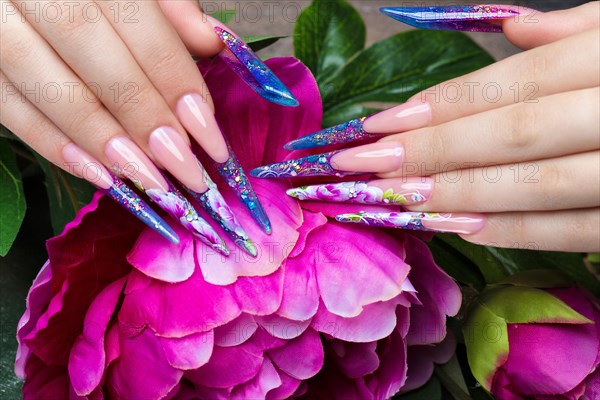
(214, 204)
(85, 166)
(252, 70)
(130, 161)
(372, 158)
(401, 191)
(404, 117)
(236, 178)
(470, 18)
(445, 222)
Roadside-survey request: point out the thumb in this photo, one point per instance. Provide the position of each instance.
(533, 28)
(195, 28)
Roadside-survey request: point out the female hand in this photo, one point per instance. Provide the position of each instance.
(517, 142)
(89, 84)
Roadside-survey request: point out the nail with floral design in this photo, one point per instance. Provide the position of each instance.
(85, 166)
(402, 191)
(176, 155)
(128, 160)
(470, 18)
(198, 119)
(252, 70)
(372, 158)
(413, 114)
(437, 222)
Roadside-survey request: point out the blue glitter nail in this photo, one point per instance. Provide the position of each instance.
(129, 200)
(240, 58)
(477, 18)
(314, 165)
(350, 131)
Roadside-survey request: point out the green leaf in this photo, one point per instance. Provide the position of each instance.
(486, 338)
(432, 390)
(451, 378)
(12, 198)
(456, 264)
(496, 264)
(346, 113)
(517, 304)
(7, 134)
(257, 43)
(395, 68)
(66, 193)
(594, 258)
(539, 278)
(327, 34)
(224, 15)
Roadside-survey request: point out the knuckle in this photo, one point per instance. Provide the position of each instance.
(533, 67)
(165, 60)
(522, 129)
(552, 184)
(16, 48)
(131, 98)
(70, 24)
(81, 115)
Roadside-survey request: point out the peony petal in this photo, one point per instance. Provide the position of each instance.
(355, 360)
(592, 386)
(377, 321)
(52, 381)
(112, 348)
(286, 217)
(302, 357)
(189, 352)
(311, 222)
(229, 366)
(259, 295)
(235, 332)
(265, 340)
(37, 299)
(87, 358)
(542, 357)
(288, 386)
(265, 380)
(421, 361)
(179, 309)
(260, 128)
(160, 259)
(356, 267)
(300, 299)
(391, 375)
(439, 294)
(282, 328)
(142, 371)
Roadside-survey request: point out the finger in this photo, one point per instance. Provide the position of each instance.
(573, 230)
(123, 87)
(532, 28)
(554, 126)
(193, 26)
(557, 184)
(568, 64)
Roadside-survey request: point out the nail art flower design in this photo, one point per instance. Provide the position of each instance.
(180, 208)
(404, 220)
(314, 165)
(355, 192)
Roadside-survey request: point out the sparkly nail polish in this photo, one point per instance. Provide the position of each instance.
(236, 178)
(419, 221)
(240, 58)
(372, 158)
(214, 204)
(83, 165)
(470, 18)
(402, 191)
(410, 115)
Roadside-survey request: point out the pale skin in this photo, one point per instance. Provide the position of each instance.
(528, 159)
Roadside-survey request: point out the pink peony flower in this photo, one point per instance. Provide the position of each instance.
(553, 360)
(118, 312)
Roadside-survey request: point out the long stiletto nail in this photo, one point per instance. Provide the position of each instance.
(436, 222)
(372, 158)
(214, 204)
(400, 191)
(86, 167)
(411, 115)
(473, 18)
(128, 160)
(172, 151)
(199, 120)
(240, 58)
(233, 173)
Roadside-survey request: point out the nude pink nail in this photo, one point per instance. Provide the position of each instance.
(376, 157)
(198, 119)
(129, 160)
(81, 164)
(171, 150)
(411, 115)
